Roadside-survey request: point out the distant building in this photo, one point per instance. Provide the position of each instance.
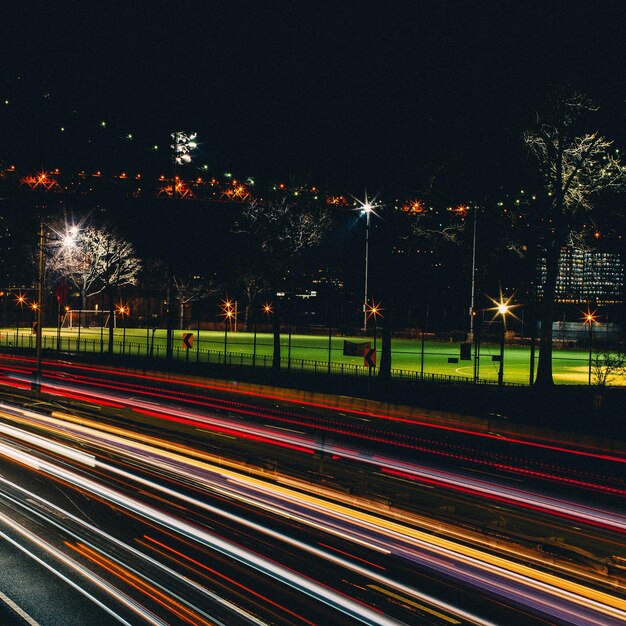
(587, 276)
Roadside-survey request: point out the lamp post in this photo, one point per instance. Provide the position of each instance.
(40, 182)
(123, 310)
(374, 310)
(470, 337)
(36, 386)
(502, 308)
(590, 319)
(267, 311)
(229, 313)
(228, 316)
(367, 208)
(20, 301)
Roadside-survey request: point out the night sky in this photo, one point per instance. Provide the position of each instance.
(382, 95)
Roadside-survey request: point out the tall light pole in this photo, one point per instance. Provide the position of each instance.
(502, 308)
(473, 295)
(267, 310)
(36, 386)
(19, 300)
(590, 319)
(374, 310)
(367, 208)
(229, 313)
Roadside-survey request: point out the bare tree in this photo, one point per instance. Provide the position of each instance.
(575, 168)
(97, 260)
(251, 286)
(283, 234)
(609, 366)
(190, 289)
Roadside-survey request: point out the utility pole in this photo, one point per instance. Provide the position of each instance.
(36, 385)
(470, 337)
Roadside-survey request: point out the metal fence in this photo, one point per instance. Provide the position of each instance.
(247, 356)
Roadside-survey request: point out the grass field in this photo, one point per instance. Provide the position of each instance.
(570, 366)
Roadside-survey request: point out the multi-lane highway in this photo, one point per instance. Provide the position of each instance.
(162, 513)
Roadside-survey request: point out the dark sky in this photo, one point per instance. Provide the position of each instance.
(349, 94)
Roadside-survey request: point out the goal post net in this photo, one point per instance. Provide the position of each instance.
(87, 318)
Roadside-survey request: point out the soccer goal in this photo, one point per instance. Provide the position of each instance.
(87, 318)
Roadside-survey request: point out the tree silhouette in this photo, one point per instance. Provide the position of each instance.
(576, 167)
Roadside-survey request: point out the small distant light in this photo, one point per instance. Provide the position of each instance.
(103, 123)
(155, 147)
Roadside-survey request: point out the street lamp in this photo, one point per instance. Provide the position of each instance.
(123, 310)
(590, 319)
(502, 308)
(374, 310)
(367, 208)
(267, 311)
(229, 313)
(36, 385)
(19, 300)
(472, 312)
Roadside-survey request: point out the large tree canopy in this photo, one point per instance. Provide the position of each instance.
(576, 167)
(94, 260)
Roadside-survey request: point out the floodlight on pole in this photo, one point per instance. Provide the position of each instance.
(366, 207)
(590, 319)
(184, 144)
(374, 310)
(502, 308)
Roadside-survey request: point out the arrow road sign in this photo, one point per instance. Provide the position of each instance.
(188, 340)
(369, 356)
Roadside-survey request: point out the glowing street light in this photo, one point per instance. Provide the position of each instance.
(19, 300)
(590, 319)
(374, 310)
(266, 309)
(367, 207)
(229, 313)
(123, 310)
(502, 308)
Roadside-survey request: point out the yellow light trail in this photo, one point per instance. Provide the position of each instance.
(558, 586)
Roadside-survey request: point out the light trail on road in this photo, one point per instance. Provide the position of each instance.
(307, 586)
(580, 513)
(548, 593)
(606, 478)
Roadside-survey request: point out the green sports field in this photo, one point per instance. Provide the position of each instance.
(309, 352)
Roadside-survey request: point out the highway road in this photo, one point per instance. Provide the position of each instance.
(164, 528)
